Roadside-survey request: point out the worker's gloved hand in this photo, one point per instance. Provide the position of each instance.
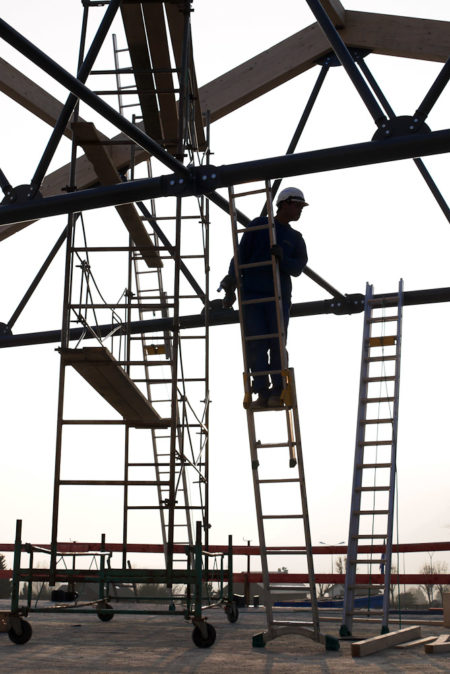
(229, 285)
(277, 252)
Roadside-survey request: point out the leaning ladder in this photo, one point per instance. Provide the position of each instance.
(282, 489)
(373, 492)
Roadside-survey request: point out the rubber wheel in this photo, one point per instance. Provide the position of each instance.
(232, 612)
(105, 617)
(26, 633)
(199, 640)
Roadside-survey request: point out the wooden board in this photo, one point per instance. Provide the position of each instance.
(88, 137)
(415, 642)
(383, 641)
(384, 34)
(101, 370)
(335, 11)
(140, 58)
(441, 645)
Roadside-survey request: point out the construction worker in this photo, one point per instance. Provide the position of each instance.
(263, 355)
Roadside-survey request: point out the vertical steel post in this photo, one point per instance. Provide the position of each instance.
(15, 585)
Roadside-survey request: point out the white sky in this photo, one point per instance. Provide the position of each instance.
(374, 224)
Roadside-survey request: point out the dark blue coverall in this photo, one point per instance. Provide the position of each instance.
(259, 319)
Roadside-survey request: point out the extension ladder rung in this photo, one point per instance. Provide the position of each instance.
(275, 480)
(372, 488)
(369, 380)
(379, 359)
(376, 421)
(382, 319)
(255, 265)
(259, 300)
(369, 536)
(375, 442)
(386, 340)
(386, 399)
(253, 338)
(246, 194)
(382, 300)
(275, 444)
(281, 517)
(374, 465)
(371, 512)
(253, 229)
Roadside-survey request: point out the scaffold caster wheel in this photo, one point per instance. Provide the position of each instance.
(25, 634)
(105, 617)
(232, 612)
(200, 641)
(331, 643)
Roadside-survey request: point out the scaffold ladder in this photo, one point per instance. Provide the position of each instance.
(280, 494)
(373, 491)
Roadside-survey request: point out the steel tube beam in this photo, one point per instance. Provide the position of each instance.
(435, 91)
(204, 180)
(354, 304)
(418, 162)
(346, 59)
(71, 102)
(39, 58)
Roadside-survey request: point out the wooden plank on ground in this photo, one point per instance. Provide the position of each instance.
(88, 137)
(382, 641)
(441, 645)
(415, 642)
(101, 370)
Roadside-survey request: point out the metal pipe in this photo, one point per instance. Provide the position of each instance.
(39, 58)
(22, 304)
(83, 72)
(435, 91)
(300, 126)
(354, 304)
(203, 180)
(346, 59)
(418, 162)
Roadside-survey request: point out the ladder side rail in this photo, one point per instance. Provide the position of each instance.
(393, 469)
(305, 512)
(352, 548)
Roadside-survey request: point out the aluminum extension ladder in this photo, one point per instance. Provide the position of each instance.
(276, 486)
(373, 492)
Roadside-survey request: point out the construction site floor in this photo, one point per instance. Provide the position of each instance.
(68, 643)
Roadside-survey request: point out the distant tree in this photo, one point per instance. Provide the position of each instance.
(339, 564)
(5, 583)
(441, 567)
(428, 588)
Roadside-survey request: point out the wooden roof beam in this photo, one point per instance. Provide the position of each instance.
(335, 11)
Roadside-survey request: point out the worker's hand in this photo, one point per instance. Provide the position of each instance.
(277, 252)
(229, 285)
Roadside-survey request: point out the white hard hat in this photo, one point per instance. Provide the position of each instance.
(291, 193)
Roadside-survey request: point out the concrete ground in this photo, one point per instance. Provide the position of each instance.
(145, 643)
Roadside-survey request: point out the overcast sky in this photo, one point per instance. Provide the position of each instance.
(374, 224)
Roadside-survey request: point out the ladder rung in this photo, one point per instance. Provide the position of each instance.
(381, 300)
(268, 336)
(368, 380)
(375, 442)
(371, 512)
(386, 340)
(275, 444)
(372, 488)
(374, 465)
(274, 480)
(258, 301)
(376, 421)
(246, 194)
(281, 517)
(369, 536)
(382, 319)
(378, 359)
(253, 229)
(386, 399)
